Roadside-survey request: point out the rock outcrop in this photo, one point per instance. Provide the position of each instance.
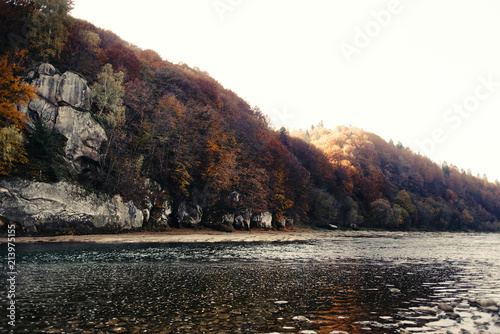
(189, 215)
(262, 220)
(243, 220)
(63, 105)
(63, 207)
(156, 205)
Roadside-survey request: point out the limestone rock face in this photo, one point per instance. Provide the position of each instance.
(64, 207)
(263, 220)
(67, 89)
(73, 90)
(85, 135)
(61, 101)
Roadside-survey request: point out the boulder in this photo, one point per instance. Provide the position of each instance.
(242, 220)
(262, 220)
(227, 219)
(62, 206)
(67, 89)
(189, 214)
(234, 197)
(46, 69)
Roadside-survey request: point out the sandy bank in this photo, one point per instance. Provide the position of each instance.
(187, 236)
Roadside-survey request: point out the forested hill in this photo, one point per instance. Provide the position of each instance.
(203, 145)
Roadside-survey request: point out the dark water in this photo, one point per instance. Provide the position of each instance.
(387, 284)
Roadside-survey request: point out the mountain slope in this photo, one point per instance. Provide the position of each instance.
(207, 153)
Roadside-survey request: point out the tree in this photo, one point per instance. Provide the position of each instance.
(404, 201)
(107, 95)
(11, 149)
(124, 60)
(82, 52)
(13, 93)
(381, 214)
(49, 29)
(446, 168)
(14, 24)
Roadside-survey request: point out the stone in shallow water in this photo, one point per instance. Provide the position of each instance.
(445, 307)
(300, 318)
(491, 308)
(486, 302)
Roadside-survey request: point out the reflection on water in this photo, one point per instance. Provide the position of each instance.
(357, 285)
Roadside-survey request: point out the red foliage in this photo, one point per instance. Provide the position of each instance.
(124, 59)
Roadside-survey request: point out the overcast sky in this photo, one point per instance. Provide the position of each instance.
(426, 73)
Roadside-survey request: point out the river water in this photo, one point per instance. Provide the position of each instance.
(392, 283)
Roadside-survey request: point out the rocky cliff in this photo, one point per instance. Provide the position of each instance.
(63, 207)
(63, 105)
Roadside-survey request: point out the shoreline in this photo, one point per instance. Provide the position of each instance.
(178, 236)
(207, 236)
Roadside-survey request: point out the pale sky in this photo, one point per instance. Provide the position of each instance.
(423, 72)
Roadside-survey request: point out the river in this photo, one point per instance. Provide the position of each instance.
(392, 283)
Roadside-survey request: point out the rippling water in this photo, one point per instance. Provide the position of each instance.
(389, 284)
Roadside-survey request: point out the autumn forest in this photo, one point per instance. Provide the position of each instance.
(199, 141)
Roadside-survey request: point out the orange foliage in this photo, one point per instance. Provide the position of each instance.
(13, 92)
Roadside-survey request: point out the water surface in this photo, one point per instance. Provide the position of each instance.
(388, 284)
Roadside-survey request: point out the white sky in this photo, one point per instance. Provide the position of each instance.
(400, 81)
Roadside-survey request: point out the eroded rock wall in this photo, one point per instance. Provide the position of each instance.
(64, 207)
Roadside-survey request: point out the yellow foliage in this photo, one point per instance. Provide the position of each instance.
(11, 149)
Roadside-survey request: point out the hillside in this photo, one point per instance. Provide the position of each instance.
(188, 152)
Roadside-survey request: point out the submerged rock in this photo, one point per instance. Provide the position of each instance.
(445, 307)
